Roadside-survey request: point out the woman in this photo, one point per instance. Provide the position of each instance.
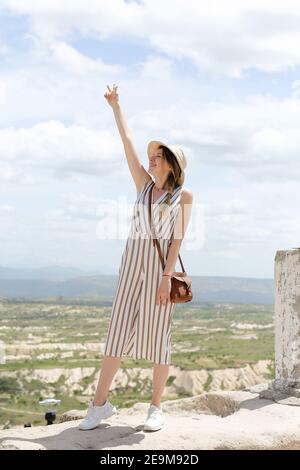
(140, 323)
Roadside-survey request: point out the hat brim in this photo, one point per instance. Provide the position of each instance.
(154, 144)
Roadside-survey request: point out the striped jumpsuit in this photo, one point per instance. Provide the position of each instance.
(138, 326)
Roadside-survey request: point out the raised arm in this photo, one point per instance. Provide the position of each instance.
(139, 174)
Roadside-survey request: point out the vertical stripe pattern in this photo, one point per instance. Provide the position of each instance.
(139, 327)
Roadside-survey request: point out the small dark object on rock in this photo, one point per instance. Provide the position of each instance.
(50, 417)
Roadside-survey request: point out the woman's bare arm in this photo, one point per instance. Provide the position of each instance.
(180, 227)
(139, 174)
(181, 223)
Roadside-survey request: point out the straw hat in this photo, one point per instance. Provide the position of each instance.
(177, 152)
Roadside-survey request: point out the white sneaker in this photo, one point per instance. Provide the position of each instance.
(95, 414)
(155, 419)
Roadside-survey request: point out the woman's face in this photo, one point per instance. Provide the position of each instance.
(158, 165)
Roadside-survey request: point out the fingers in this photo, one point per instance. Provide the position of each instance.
(114, 87)
(111, 94)
(162, 299)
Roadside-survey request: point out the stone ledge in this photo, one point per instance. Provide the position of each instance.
(221, 420)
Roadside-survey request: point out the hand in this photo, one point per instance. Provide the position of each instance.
(112, 96)
(163, 292)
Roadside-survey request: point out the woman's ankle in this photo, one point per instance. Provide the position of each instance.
(99, 402)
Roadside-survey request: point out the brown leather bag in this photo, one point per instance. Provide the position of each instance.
(181, 283)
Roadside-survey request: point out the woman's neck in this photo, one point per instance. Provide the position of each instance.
(159, 184)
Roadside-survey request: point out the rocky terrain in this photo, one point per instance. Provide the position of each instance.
(192, 382)
(56, 350)
(214, 420)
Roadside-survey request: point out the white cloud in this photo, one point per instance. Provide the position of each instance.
(261, 214)
(56, 123)
(3, 93)
(55, 19)
(61, 150)
(219, 37)
(296, 89)
(6, 209)
(257, 137)
(157, 68)
(72, 61)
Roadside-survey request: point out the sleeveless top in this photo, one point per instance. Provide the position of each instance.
(163, 214)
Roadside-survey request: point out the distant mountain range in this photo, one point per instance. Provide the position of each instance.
(47, 273)
(60, 282)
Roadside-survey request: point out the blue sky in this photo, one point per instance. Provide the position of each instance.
(221, 80)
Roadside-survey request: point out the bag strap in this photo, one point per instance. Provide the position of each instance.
(155, 241)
